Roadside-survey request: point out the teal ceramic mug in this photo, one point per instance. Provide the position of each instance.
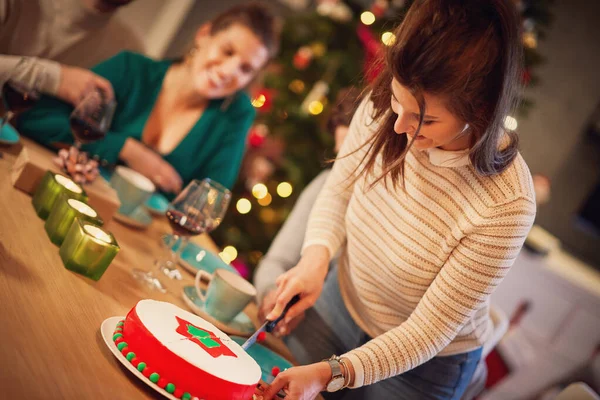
(227, 294)
(132, 188)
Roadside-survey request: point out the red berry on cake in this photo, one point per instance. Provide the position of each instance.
(261, 336)
(275, 371)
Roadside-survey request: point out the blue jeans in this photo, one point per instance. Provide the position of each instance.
(329, 329)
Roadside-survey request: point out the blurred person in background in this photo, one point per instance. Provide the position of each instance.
(64, 38)
(177, 120)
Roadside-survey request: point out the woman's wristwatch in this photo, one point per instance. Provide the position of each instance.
(338, 381)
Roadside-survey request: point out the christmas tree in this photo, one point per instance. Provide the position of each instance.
(323, 50)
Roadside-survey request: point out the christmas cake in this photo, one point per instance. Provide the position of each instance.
(184, 354)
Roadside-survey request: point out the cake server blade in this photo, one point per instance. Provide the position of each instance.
(269, 326)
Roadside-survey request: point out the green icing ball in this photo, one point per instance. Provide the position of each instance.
(122, 345)
(186, 396)
(117, 335)
(154, 377)
(170, 388)
(141, 366)
(120, 323)
(130, 356)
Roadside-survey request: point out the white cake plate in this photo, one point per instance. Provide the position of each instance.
(107, 329)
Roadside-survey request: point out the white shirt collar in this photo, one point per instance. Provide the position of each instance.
(448, 159)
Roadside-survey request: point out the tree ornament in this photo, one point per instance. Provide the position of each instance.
(303, 57)
(257, 135)
(379, 8)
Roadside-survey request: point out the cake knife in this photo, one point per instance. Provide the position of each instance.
(269, 326)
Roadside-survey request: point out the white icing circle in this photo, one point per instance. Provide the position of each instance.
(159, 318)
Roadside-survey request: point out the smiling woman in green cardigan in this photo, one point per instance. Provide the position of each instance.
(176, 121)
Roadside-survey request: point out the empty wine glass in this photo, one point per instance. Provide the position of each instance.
(18, 93)
(92, 117)
(199, 208)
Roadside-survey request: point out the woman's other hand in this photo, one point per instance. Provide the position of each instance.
(306, 279)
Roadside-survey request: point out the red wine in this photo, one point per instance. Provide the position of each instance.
(184, 226)
(84, 132)
(17, 98)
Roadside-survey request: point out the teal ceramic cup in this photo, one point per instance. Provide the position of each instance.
(227, 294)
(132, 188)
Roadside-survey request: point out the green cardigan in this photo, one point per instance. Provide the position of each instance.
(213, 148)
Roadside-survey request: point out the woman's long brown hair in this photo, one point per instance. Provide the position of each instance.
(469, 53)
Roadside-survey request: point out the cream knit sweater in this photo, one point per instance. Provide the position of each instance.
(419, 262)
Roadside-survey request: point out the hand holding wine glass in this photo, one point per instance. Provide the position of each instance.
(198, 209)
(92, 118)
(19, 95)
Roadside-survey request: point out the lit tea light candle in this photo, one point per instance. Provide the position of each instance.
(98, 233)
(87, 249)
(51, 186)
(63, 215)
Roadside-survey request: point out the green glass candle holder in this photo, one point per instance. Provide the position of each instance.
(87, 249)
(63, 215)
(50, 187)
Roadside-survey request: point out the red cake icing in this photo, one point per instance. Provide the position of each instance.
(188, 352)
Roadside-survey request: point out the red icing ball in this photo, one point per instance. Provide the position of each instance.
(275, 371)
(261, 336)
(119, 340)
(178, 393)
(135, 362)
(162, 382)
(147, 372)
(125, 351)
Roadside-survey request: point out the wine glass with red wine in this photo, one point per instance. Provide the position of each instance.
(19, 95)
(198, 209)
(92, 117)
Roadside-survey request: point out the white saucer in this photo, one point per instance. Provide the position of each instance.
(139, 219)
(240, 326)
(107, 329)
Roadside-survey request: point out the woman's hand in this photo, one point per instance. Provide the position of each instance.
(76, 82)
(300, 383)
(306, 279)
(282, 327)
(150, 164)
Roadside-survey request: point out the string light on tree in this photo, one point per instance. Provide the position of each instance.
(243, 206)
(530, 40)
(510, 123)
(231, 252)
(260, 191)
(388, 38)
(284, 189)
(296, 86)
(315, 107)
(318, 49)
(316, 94)
(259, 101)
(265, 201)
(367, 18)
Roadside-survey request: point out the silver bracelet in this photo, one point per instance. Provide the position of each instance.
(347, 374)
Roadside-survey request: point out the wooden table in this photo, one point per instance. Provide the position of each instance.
(50, 342)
